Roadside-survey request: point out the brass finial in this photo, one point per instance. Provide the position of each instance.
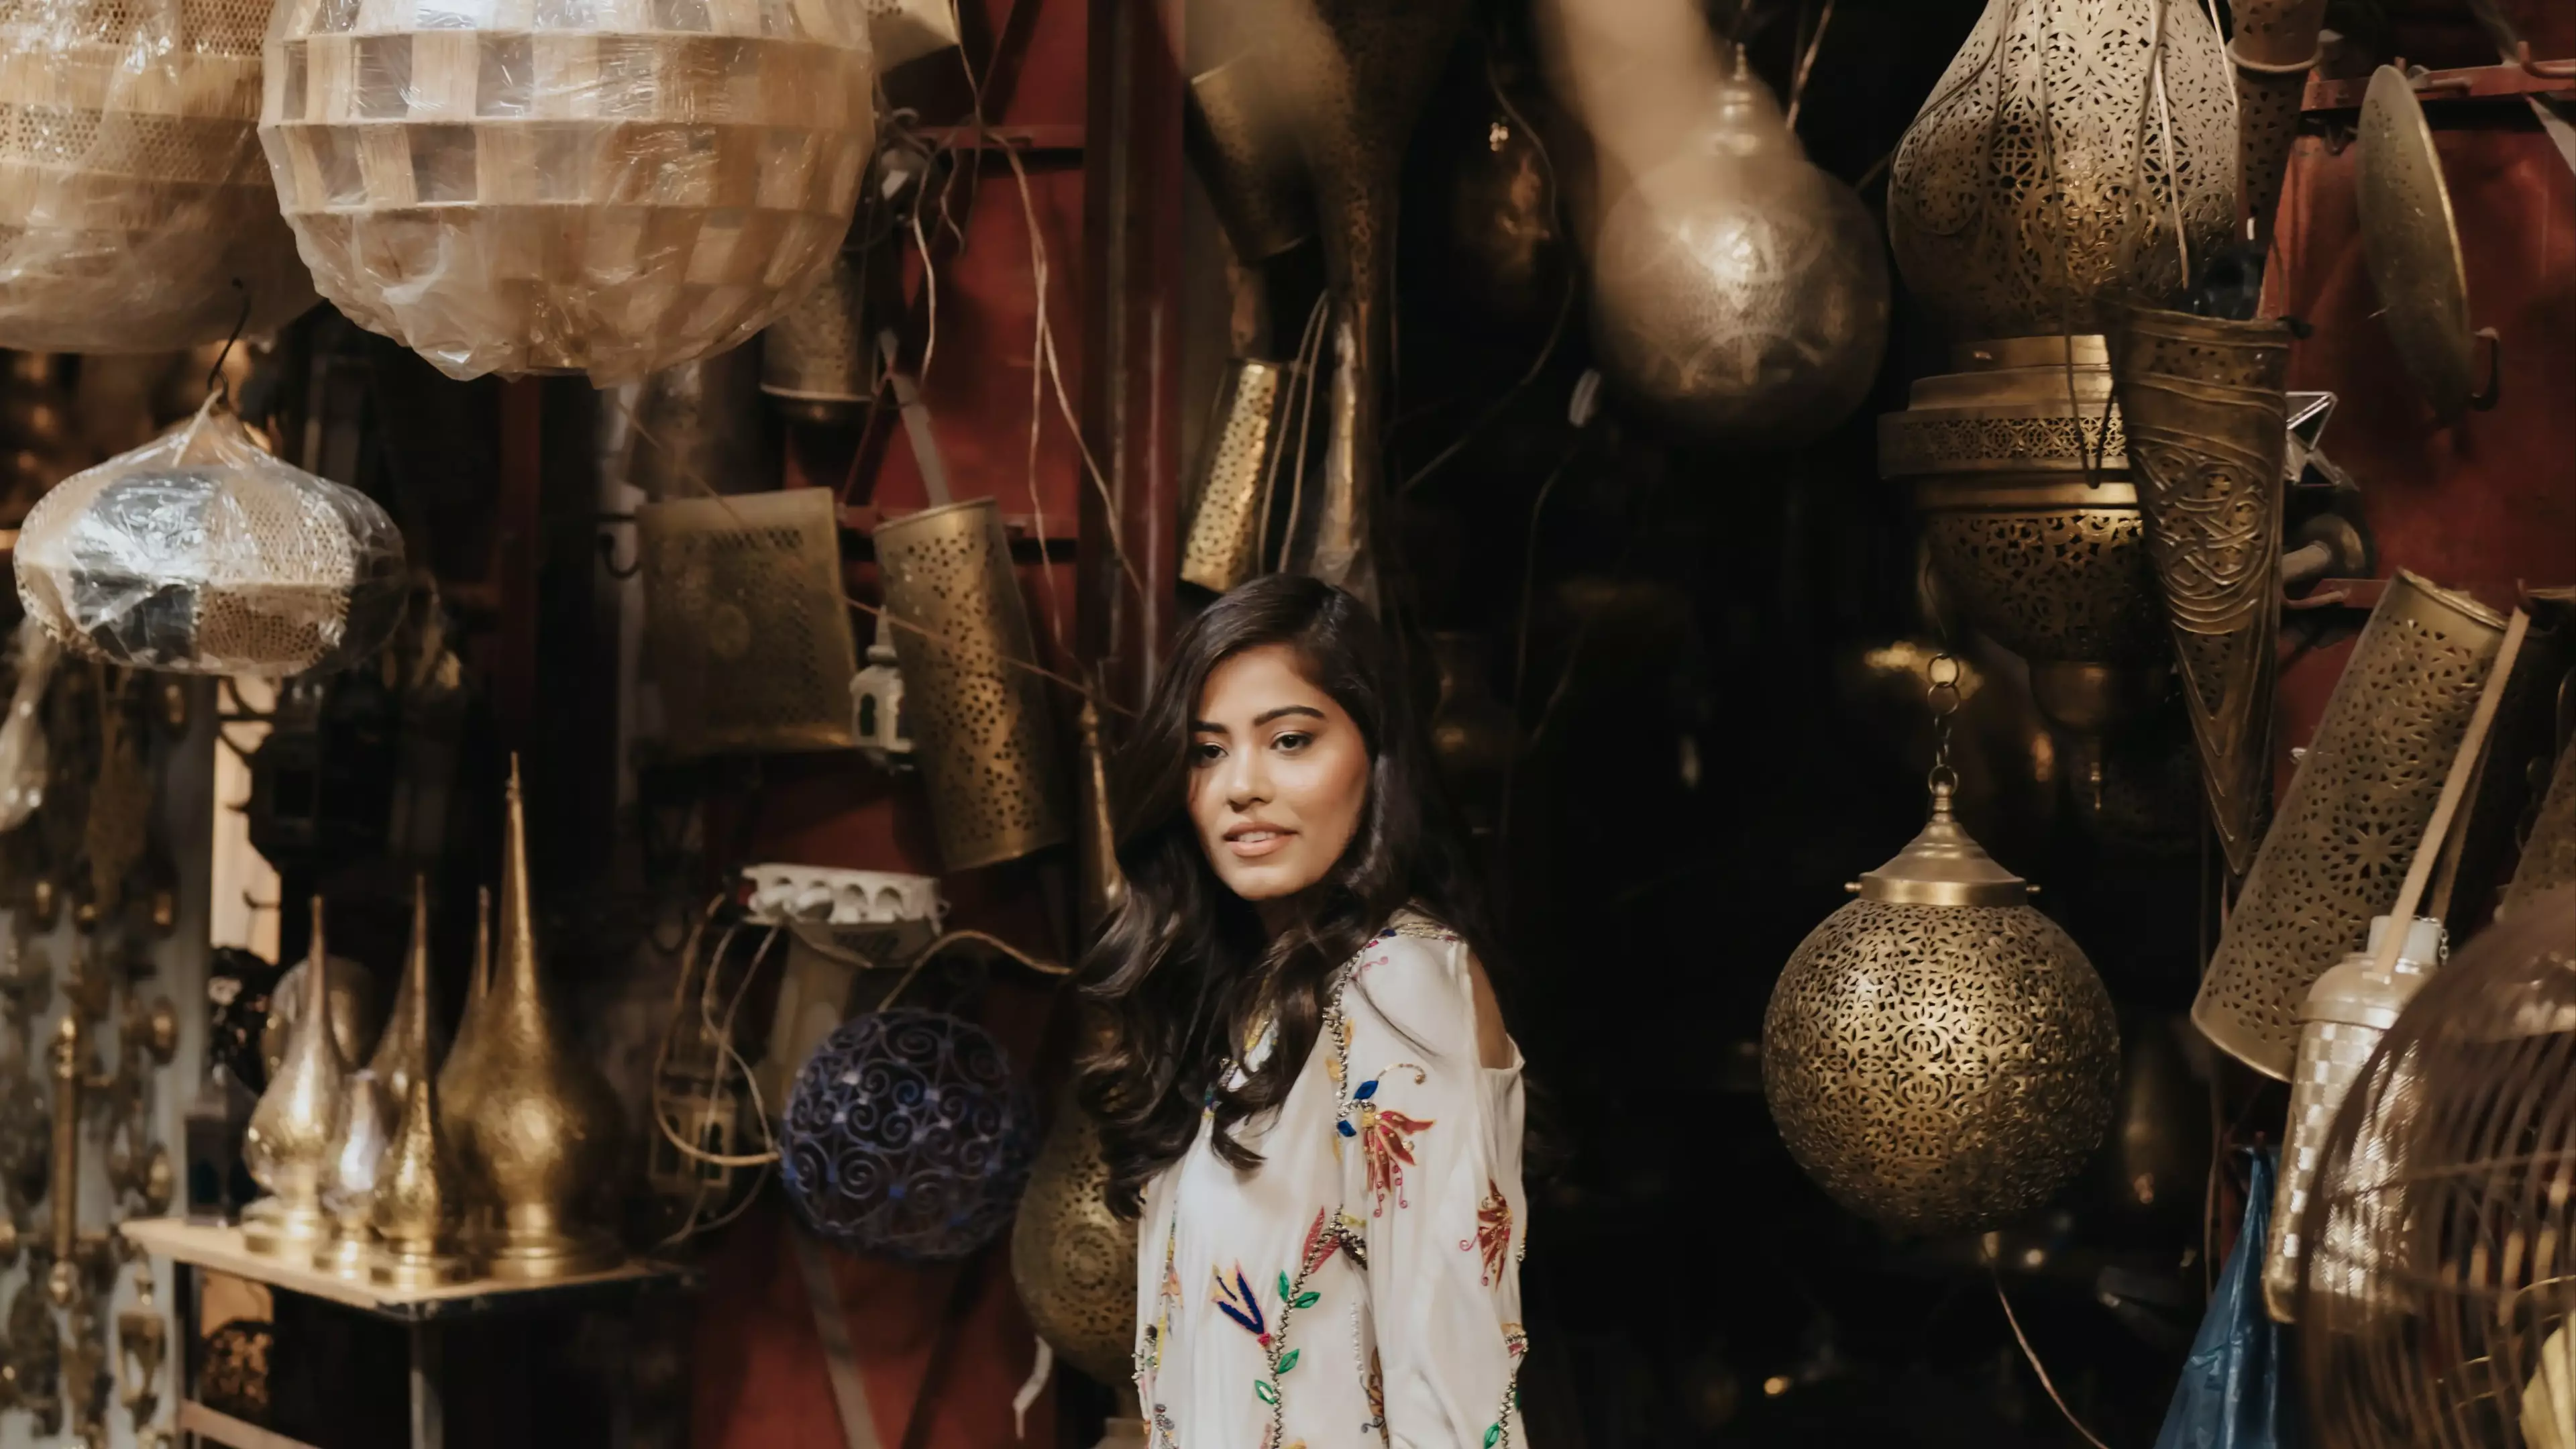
(407, 1046)
(419, 1198)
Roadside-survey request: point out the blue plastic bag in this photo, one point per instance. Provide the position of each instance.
(2234, 1392)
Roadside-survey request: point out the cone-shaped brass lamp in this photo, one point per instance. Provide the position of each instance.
(349, 1178)
(410, 1042)
(539, 1123)
(289, 1139)
(419, 1199)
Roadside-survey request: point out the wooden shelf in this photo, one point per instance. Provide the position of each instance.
(221, 1250)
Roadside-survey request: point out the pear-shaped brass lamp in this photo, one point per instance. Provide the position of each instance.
(540, 1124)
(409, 1043)
(456, 1077)
(1939, 1056)
(419, 1199)
(288, 1143)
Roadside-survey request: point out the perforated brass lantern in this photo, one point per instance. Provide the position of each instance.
(2338, 851)
(2436, 1297)
(1221, 540)
(608, 188)
(1939, 1056)
(1739, 291)
(2019, 465)
(132, 193)
(2044, 174)
(747, 633)
(1073, 1260)
(815, 364)
(985, 736)
(2549, 851)
(2207, 422)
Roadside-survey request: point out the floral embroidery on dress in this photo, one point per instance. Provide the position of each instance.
(1516, 1346)
(1493, 1232)
(1236, 1298)
(1374, 1384)
(1386, 1138)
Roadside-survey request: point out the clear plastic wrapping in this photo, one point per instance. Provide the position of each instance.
(201, 554)
(132, 192)
(600, 186)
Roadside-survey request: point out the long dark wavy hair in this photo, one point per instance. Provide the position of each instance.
(1182, 972)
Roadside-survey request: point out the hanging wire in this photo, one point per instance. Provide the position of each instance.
(2028, 1353)
(1806, 63)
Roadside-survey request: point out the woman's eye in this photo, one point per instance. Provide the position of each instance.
(1292, 741)
(1206, 754)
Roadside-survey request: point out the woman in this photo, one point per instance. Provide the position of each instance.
(1304, 1074)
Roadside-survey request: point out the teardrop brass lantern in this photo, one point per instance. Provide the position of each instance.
(288, 1144)
(1939, 1056)
(539, 1124)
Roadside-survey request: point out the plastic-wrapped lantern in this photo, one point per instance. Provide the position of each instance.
(907, 1135)
(602, 186)
(1739, 291)
(198, 553)
(132, 194)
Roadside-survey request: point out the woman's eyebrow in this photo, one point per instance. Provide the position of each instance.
(1267, 715)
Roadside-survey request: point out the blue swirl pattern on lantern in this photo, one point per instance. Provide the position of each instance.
(907, 1135)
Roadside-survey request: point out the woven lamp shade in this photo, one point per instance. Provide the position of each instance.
(602, 186)
(132, 195)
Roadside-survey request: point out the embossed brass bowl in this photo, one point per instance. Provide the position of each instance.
(1939, 1056)
(2020, 468)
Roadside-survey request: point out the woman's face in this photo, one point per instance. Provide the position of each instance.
(1278, 775)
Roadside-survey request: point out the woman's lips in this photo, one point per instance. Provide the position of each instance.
(1252, 844)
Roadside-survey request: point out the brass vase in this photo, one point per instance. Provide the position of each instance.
(419, 1195)
(2207, 418)
(1073, 1260)
(1351, 77)
(288, 1143)
(539, 1124)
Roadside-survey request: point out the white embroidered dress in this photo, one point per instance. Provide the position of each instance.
(1361, 1286)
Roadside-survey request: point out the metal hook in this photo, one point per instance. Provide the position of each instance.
(608, 558)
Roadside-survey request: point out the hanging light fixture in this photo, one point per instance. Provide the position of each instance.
(1739, 291)
(2071, 155)
(1939, 1056)
(604, 189)
(199, 553)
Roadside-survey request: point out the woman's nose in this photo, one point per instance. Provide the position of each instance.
(1246, 782)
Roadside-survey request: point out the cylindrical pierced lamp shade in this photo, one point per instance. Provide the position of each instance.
(132, 193)
(600, 186)
(199, 553)
(2349, 827)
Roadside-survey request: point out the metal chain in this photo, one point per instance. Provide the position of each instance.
(1941, 692)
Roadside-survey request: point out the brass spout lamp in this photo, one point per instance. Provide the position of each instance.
(289, 1141)
(539, 1124)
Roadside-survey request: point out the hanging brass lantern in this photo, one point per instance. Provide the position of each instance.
(540, 1124)
(1351, 76)
(2048, 170)
(2353, 817)
(288, 1145)
(1739, 291)
(1939, 1056)
(1073, 1260)
(2346, 1014)
(2020, 469)
(1221, 540)
(2271, 52)
(815, 363)
(2549, 851)
(2207, 422)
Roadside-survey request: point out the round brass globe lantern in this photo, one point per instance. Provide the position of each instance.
(1939, 1056)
